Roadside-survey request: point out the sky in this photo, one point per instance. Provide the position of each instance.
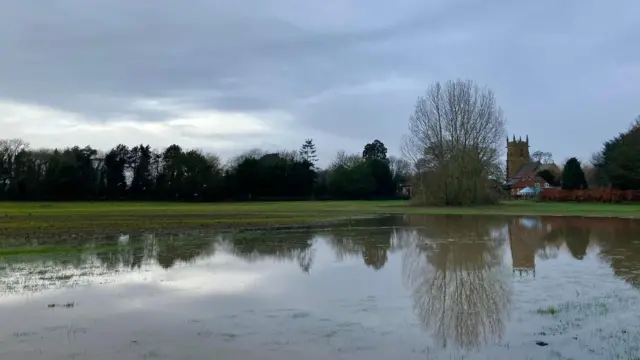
(227, 76)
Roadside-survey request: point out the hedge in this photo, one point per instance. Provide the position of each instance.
(590, 195)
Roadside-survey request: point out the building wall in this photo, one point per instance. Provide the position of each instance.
(517, 155)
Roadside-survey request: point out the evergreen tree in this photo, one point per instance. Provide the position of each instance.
(308, 152)
(573, 176)
(618, 164)
(375, 150)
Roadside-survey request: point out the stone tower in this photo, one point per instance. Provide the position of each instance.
(517, 155)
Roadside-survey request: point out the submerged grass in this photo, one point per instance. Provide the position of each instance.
(39, 250)
(547, 311)
(591, 307)
(25, 217)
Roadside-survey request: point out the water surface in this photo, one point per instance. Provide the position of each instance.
(412, 287)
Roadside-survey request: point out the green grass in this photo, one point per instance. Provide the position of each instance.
(547, 311)
(18, 217)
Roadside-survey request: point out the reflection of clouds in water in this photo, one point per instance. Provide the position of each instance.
(123, 239)
(203, 277)
(19, 278)
(129, 259)
(456, 268)
(473, 257)
(222, 275)
(460, 289)
(529, 222)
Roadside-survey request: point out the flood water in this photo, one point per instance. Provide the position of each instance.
(411, 287)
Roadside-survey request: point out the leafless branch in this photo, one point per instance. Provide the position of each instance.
(455, 135)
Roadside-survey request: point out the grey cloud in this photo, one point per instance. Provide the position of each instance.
(551, 64)
(367, 116)
(131, 48)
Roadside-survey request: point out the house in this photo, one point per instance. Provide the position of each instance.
(405, 189)
(521, 171)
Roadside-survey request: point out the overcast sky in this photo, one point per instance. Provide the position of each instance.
(226, 76)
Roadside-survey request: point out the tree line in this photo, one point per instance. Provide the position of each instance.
(174, 173)
(452, 155)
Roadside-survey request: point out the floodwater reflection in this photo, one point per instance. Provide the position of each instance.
(415, 287)
(459, 284)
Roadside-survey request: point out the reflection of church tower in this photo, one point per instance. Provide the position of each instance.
(517, 155)
(523, 247)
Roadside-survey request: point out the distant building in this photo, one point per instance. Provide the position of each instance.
(405, 190)
(521, 171)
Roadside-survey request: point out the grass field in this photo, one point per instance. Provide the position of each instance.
(121, 216)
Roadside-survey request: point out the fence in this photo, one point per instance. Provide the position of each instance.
(590, 195)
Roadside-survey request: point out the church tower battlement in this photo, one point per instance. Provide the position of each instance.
(517, 155)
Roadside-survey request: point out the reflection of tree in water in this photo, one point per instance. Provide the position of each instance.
(618, 239)
(371, 244)
(183, 247)
(577, 240)
(165, 249)
(549, 244)
(556, 231)
(620, 246)
(285, 246)
(546, 236)
(126, 251)
(97, 256)
(455, 272)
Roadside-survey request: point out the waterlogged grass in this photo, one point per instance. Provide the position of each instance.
(592, 307)
(26, 217)
(40, 250)
(548, 311)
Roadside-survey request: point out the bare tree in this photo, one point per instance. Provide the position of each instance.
(290, 155)
(456, 135)
(542, 156)
(399, 166)
(400, 169)
(346, 160)
(214, 161)
(11, 147)
(250, 154)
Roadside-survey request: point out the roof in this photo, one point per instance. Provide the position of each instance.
(527, 168)
(551, 167)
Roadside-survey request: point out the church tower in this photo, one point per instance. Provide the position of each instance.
(517, 155)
